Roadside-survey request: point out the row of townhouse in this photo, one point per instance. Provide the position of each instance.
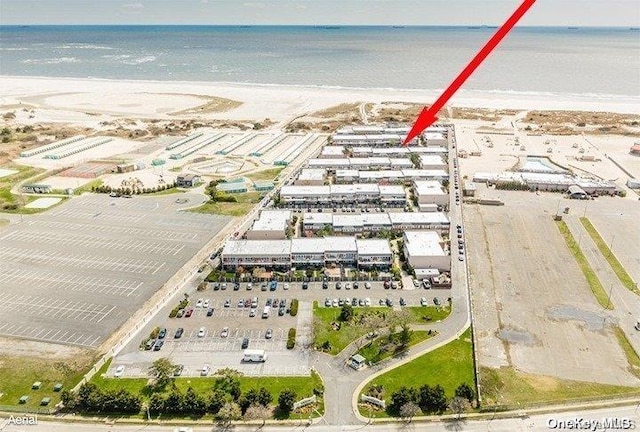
(389, 176)
(361, 163)
(307, 252)
(343, 194)
(376, 222)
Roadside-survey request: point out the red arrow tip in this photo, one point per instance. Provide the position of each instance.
(425, 119)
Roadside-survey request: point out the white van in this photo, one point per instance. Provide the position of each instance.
(254, 302)
(253, 355)
(266, 311)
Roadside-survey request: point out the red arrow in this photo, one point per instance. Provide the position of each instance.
(429, 115)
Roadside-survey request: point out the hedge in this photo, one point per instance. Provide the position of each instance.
(291, 339)
(293, 310)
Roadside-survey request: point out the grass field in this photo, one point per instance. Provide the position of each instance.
(511, 388)
(245, 203)
(618, 269)
(339, 339)
(17, 374)
(88, 186)
(448, 366)
(594, 283)
(303, 386)
(269, 174)
(373, 353)
(629, 352)
(7, 199)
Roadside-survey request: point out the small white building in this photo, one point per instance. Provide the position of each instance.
(430, 192)
(425, 250)
(271, 225)
(435, 139)
(256, 253)
(431, 162)
(347, 175)
(374, 253)
(332, 152)
(307, 252)
(392, 194)
(435, 221)
(305, 194)
(316, 221)
(311, 177)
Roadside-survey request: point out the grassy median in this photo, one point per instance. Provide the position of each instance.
(594, 283)
(606, 252)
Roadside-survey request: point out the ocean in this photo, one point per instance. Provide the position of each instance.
(583, 61)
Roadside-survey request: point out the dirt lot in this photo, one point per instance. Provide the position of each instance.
(533, 309)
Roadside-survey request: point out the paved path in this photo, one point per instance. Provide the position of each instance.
(626, 304)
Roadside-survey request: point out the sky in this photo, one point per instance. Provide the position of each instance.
(624, 13)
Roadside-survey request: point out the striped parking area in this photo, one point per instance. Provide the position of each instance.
(100, 215)
(90, 241)
(56, 282)
(111, 229)
(96, 262)
(50, 335)
(56, 309)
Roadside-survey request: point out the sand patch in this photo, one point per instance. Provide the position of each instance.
(43, 203)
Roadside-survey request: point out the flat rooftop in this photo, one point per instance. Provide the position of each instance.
(428, 187)
(423, 243)
(272, 220)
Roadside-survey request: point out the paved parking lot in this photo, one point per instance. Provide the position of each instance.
(531, 301)
(220, 352)
(75, 274)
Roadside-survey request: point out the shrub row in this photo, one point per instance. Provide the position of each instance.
(293, 309)
(291, 339)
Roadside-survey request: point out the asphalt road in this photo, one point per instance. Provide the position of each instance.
(524, 422)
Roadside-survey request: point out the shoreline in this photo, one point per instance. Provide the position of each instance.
(154, 98)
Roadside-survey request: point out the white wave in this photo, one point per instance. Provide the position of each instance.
(83, 46)
(116, 56)
(58, 60)
(14, 49)
(140, 60)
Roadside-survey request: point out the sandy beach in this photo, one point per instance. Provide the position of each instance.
(91, 101)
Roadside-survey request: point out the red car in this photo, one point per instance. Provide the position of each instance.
(188, 312)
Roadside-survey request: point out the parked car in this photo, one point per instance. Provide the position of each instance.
(423, 301)
(150, 343)
(325, 285)
(206, 303)
(402, 302)
(205, 370)
(347, 286)
(436, 301)
(395, 285)
(335, 302)
(355, 285)
(389, 302)
(158, 345)
(119, 371)
(361, 302)
(285, 286)
(268, 334)
(240, 304)
(236, 286)
(354, 302)
(201, 332)
(367, 285)
(252, 313)
(367, 301)
(338, 285)
(281, 311)
(225, 332)
(426, 284)
(327, 302)
(223, 286)
(273, 286)
(381, 302)
(416, 283)
(386, 284)
(188, 312)
(245, 343)
(227, 303)
(263, 287)
(178, 370)
(210, 312)
(216, 286)
(162, 333)
(180, 313)
(178, 333)
(249, 286)
(199, 303)
(305, 285)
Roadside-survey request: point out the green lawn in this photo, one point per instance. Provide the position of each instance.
(88, 186)
(618, 269)
(18, 373)
(269, 174)
(510, 388)
(246, 201)
(373, 353)
(303, 385)
(6, 183)
(448, 366)
(632, 356)
(339, 339)
(594, 283)
(169, 191)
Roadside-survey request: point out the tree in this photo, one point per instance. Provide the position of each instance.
(432, 399)
(404, 336)
(193, 402)
(465, 391)
(459, 405)
(409, 410)
(264, 397)
(230, 384)
(403, 396)
(258, 412)
(162, 371)
(216, 401)
(346, 313)
(156, 403)
(286, 400)
(230, 411)
(174, 402)
(248, 399)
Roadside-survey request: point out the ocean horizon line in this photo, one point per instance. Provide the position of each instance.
(330, 26)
